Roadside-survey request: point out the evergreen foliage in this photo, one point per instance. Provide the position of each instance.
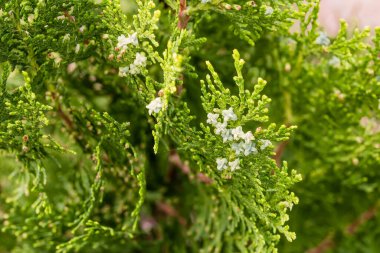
(128, 127)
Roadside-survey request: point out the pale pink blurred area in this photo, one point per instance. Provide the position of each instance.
(357, 13)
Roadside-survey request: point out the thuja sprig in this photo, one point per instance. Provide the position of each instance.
(23, 121)
(240, 164)
(229, 113)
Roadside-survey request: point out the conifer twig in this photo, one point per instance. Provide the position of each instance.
(363, 218)
(351, 229)
(183, 18)
(69, 123)
(323, 246)
(65, 118)
(279, 151)
(169, 210)
(175, 160)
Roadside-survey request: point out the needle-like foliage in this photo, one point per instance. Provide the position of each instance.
(126, 126)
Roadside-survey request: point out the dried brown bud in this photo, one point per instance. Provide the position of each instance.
(25, 138)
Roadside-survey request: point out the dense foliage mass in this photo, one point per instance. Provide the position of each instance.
(128, 127)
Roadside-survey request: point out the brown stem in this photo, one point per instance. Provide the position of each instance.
(65, 117)
(61, 113)
(183, 18)
(363, 218)
(170, 211)
(351, 229)
(279, 151)
(175, 160)
(323, 246)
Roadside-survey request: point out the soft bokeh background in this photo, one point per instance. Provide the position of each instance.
(358, 13)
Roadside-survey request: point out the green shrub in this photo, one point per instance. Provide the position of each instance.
(128, 127)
